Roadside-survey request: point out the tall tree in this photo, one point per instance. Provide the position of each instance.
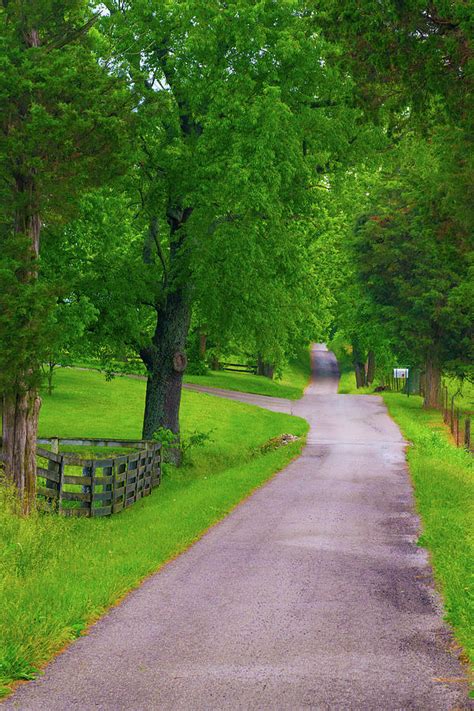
(414, 256)
(401, 54)
(60, 111)
(241, 111)
(412, 64)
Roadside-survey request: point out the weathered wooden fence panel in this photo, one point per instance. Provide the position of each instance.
(76, 486)
(240, 367)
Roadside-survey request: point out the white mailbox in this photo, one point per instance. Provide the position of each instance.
(401, 373)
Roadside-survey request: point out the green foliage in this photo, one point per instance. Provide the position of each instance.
(66, 333)
(61, 125)
(166, 437)
(198, 367)
(407, 289)
(194, 440)
(59, 105)
(414, 259)
(237, 118)
(24, 304)
(402, 54)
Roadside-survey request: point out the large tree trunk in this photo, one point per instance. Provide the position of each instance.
(20, 426)
(264, 368)
(359, 365)
(370, 367)
(21, 403)
(269, 370)
(165, 362)
(432, 384)
(165, 359)
(359, 373)
(202, 343)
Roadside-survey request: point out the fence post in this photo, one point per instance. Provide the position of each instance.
(467, 434)
(55, 468)
(61, 483)
(451, 424)
(92, 475)
(457, 427)
(85, 488)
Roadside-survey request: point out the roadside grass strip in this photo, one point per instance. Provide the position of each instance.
(59, 575)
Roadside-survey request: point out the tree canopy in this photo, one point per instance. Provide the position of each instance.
(266, 173)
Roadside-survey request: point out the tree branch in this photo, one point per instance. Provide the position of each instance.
(72, 35)
(154, 235)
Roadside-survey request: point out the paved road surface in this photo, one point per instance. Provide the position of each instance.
(312, 594)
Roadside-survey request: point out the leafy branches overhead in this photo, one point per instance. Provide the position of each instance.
(408, 52)
(237, 110)
(205, 162)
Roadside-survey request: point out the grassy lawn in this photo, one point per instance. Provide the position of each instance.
(291, 384)
(347, 385)
(294, 379)
(58, 575)
(443, 481)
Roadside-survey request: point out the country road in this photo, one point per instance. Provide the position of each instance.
(310, 594)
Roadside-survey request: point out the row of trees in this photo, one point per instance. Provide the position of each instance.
(161, 164)
(175, 165)
(408, 297)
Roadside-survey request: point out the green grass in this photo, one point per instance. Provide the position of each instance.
(347, 385)
(443, 481)
(57, 575)
(295, 378)
(291, 384)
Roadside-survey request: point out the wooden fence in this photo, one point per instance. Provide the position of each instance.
(458, 420)
(80, 486)
(239, 367)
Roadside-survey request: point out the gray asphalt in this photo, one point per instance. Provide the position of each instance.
(311, 594)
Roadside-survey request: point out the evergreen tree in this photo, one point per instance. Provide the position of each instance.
(59, 112)
(414, 257)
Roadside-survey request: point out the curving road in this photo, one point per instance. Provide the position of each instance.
(311, 594)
